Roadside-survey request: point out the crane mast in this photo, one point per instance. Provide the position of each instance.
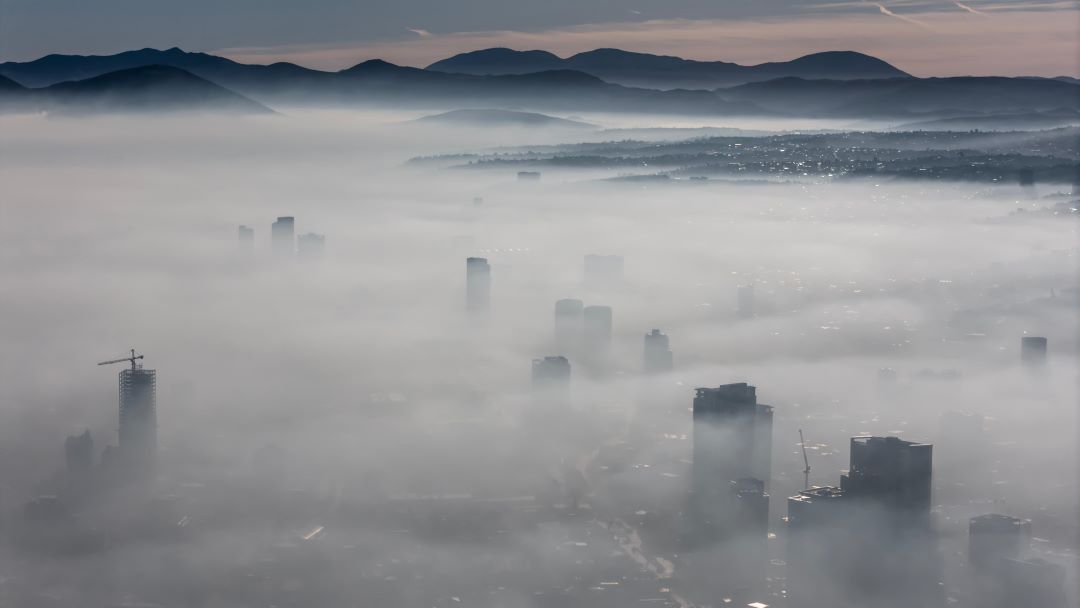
(806, 461)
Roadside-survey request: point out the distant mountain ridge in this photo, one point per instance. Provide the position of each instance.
(218, 82)
(668, 72)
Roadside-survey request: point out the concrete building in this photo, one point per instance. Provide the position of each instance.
(1003, 572)
(867, 542)
(310, 246)
(569, 323)
(282, 237)
(477, 285)
(1033, 352)
(657, 356)
(246, 238)
(596, 330)
(894, 474)
(732, 437)
(79, 453)
(138, 419)
(551, 373)
(994, 537)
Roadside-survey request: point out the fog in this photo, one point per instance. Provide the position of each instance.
(294, 394)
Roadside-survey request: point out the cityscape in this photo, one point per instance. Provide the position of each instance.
(343, 305)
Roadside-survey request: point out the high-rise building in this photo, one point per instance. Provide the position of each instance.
(597, 328)
(657, 357)
(1033, 351)
(603, 270)
(893, 474)
(993, 537)
(551, 373)
(138, 419)
(246, 238)
(79, 453)
(1003, 573)
(310, 246)
(867, 542)
(745, 301)
(569, 316)
(282, 239)
(732, 437)
(477, 285)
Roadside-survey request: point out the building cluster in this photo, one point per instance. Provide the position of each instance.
(285, 244)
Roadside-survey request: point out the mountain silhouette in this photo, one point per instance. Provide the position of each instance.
(668, 72)
(600, 81)
(899, 97)
(501, 118)
(144, 89)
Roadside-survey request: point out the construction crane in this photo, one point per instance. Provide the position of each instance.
(131, 359)
(806, 461)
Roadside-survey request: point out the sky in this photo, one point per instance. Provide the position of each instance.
(924, 37)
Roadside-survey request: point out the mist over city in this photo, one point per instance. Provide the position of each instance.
(518, 328)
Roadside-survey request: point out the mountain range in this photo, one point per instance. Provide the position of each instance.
(838, 85)
(666, 72)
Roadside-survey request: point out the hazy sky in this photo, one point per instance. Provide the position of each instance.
(926, 37)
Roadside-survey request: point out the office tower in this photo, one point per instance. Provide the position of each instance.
(246, 238)
(551, 373)
(310, 246)
(282, 242)
(569, 318)
(603, 270)
(820, 548)
(1003, 573)
(597, 328)
(994, 537)
(79, 453)
(745, 301)
(528, 176)
(138, 419)
(1033, 352)
(657, 358)
(869, 541)
(893, 474)
(477, 285)
(732, 437)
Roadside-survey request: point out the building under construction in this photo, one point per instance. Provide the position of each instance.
(138, 415)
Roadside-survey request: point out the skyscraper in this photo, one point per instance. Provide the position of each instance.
(282, 241)
(246, 238)
(657, 357)
(1003, 574)
(568, 324)
(993, 537)
(79, 453)
(551, 373)
(310, 246)
(138, 418)
(1033, 352)
(477, 285)
(597, 329)
(729, 507)
(732, 437)
(868, 542)
(893, 474)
